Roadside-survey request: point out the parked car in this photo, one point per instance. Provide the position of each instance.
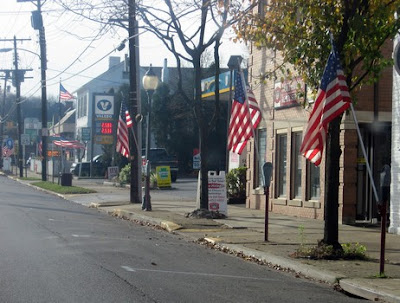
(159, 157)
(99, 166)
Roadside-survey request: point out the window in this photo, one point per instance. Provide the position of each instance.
(262, 148)
(296, 165)
(281, 165)
(314, 190)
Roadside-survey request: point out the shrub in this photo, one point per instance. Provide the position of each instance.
(125, 174)
(236, 183)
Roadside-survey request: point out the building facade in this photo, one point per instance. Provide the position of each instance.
(297, 186)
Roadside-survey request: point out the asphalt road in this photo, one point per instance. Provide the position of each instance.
(53, 250)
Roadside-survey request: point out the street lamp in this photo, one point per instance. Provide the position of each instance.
(150, 83)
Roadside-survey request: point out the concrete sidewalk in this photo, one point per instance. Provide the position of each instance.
(242, 233)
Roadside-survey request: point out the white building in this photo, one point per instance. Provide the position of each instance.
(394, 210)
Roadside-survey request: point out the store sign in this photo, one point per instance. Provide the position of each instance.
(208, 85)
(286, 92)
(103, 119)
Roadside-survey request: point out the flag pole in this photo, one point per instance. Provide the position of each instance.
(248, 112)
(364, 153)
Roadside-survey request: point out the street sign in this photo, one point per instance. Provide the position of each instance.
(25, 139)
(86, 133)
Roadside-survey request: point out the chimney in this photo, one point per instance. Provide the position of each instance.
(112, 61)
(165, 72)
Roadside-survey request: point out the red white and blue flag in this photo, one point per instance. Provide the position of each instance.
(245, 116)
(332, 100)
(124, 123)
(64, 94)
(66, 143)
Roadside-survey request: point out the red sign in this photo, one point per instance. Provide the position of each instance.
(286, 92)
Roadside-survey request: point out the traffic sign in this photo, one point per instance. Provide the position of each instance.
(25, 139)
(86, 133)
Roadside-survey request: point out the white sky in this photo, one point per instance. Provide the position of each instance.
(68, 54)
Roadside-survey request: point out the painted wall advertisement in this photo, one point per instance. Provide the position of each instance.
(217, 200)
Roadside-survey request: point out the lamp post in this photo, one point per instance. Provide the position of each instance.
(150, 83)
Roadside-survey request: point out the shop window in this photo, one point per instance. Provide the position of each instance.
(262, 149)
(296, 165)
(313, 188)
(281, 165)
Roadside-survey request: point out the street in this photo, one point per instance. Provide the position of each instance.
(54, 250)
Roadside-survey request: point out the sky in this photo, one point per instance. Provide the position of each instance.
(76, 51)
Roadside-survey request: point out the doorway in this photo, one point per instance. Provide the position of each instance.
(377, 142)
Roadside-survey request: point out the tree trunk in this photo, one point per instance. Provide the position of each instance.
(333, 152)
(204, 166)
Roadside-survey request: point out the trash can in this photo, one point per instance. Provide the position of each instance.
(66, 179)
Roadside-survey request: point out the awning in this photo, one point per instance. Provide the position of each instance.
(69, 143)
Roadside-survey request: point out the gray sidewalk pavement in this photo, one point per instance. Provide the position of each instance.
(242, 233)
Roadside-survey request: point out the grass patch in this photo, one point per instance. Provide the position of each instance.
(380, 276)
(349, 251)
(30, 179)
(62, 189)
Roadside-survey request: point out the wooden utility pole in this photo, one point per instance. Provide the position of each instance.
(136, 174)
(18, 75)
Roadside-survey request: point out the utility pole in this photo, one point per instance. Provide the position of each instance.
(18, 76)
(18, 100)
(136, 174)
(43, 63)
(7, 74)
(37, 24)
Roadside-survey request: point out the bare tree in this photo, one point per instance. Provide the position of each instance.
(189, 30)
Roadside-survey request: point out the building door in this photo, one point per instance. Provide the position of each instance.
(377, 142)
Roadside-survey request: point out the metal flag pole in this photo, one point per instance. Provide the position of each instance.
(364, 153)
(248, 112)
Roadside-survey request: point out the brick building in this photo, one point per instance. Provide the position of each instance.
(297, 186)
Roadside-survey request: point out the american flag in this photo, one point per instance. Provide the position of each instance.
(124, 123)
(333, 99)
(245, 116)
(64, 94)
(7, 152)
(68, 143)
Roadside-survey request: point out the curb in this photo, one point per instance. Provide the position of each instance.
(367, 290)
(304, 269)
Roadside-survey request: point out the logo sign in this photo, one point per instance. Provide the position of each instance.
(104, 106)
